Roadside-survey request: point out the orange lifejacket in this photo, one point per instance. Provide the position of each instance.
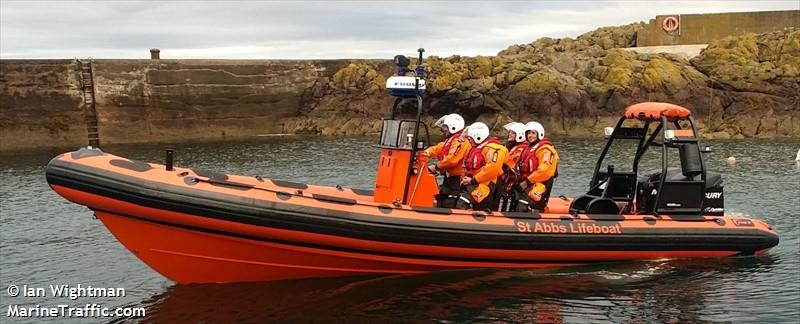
(450, 154)
(484, 163)
(539, 162)
(515, 153)
(447, 144)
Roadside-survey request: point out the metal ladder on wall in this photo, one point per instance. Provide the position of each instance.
(89, 111)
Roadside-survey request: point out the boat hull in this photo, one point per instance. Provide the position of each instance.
(191, 256)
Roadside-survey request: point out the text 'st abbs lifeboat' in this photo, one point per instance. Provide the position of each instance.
(195, 226)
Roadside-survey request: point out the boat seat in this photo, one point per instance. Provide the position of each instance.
(602, 206)
(603, 197)
(621, 186)
(578, 205)
(589, 204)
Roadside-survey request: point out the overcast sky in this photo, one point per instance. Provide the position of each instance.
(340, 29)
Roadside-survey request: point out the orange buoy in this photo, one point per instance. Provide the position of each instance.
(670, 24)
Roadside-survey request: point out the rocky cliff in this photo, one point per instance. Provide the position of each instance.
(747, 86)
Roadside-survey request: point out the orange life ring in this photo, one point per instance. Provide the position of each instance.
(670, 24)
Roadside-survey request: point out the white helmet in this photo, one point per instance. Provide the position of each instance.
(454, 122)
(518, 129)
(479, 132)
(535, 126)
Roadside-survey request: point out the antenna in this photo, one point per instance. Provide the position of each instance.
(420, 70)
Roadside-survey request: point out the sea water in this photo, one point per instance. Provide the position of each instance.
(47, 241)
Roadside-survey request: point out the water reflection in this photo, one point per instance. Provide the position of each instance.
(669, 291)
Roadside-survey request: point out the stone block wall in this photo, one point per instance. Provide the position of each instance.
(41, 101)
(703, 28)
(41, 104)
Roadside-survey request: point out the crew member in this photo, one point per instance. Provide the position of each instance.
(511, 137)
(450, 155)
(516, 145)
(537, 168)
(484, 166)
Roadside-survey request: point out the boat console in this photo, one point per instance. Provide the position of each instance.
(402, 177)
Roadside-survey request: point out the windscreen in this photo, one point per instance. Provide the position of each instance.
(397, 133)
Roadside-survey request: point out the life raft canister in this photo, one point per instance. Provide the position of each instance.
(670, 24)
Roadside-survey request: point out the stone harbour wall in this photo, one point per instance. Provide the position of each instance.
(42, 101)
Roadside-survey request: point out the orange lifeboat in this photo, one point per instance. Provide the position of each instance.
(194, 226)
